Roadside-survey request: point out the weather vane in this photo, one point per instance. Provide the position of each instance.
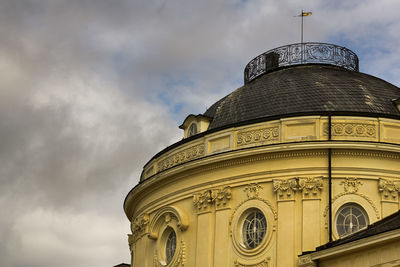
(302, 15)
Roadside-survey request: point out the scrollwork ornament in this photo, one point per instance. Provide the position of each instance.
(263, 263)
(252, 190)
(139, 226)
(221, 196)
(389, 189)
(351, 184)
(203, 201)
(285, 188)
(301, 53)
(310, 186)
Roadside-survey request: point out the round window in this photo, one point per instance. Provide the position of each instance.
(170, 246)
(350, 218)
(192, 129)
(254, 228)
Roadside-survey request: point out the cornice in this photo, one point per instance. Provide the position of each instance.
(256, 154)
(356, 245)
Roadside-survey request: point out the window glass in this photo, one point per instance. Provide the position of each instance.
(350, 219)
(192, 129)
(170, 246)
(254, 229)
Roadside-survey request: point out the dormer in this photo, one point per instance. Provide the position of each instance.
(194, 124)
(397, 103)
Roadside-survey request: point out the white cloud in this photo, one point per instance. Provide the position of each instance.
(91, 90)
(47, 237)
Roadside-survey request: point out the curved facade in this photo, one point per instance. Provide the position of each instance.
(302, 154)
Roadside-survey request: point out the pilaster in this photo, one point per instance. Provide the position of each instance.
(311, 188)
(285, 189)
(389, 190)
(212, 207)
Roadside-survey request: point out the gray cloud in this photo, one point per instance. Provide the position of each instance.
(90, 90)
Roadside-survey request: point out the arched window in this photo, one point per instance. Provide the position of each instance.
(350, 218)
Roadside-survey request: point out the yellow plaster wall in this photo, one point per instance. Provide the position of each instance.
(264, 164)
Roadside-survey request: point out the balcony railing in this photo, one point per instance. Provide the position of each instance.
(298, 54)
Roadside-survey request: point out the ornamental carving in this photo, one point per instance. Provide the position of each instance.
(311, 187)
(285, 188)
(353, 193)
(221, 196)
(131, 242)
(257, 136)
(352, 129)
(180, 259)
(252, 190)
(389, 189)
(300, 53)
(351, 185)
(306, 261)
(205, 200)
(185, 155)
(139, 225)
(202, 201)
(263, 263)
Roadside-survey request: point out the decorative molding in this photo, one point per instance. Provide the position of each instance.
(388, 155)
(156, 262)
(219, 196)
(351, 184)
(389, 189)
(352, 129)
(131, 242)
(285, 188)
(252, 190)
(202, 201)
(182, 255)
(168, 215)
(185, 155)
(257, 136)
(354, 193)
(139, 226)
(310, 186)
(178, 260)
(273, 210)
(263, 263)
(306, 261)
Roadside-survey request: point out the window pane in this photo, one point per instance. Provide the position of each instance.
(170, 246)
(350, 218)
(254, 229)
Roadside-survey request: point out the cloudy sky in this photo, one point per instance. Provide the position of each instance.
(91, 89)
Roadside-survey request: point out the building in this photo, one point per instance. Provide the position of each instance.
(377, 245)
(306, 152)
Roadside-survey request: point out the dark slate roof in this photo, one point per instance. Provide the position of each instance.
(387, 224)
(305, 89)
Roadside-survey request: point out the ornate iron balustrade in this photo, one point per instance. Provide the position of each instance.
(298, 54)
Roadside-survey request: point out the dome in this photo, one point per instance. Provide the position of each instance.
(305, 89)
(306, 152)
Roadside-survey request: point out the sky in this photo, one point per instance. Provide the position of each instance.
(90, 90)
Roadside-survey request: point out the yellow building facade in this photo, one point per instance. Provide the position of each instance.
(306, 152)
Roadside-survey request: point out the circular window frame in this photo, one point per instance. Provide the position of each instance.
(354, 205)
(162, 245)
(242, 221)
(367, 204)
(237, 222)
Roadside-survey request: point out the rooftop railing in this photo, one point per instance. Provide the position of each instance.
(299, 54)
